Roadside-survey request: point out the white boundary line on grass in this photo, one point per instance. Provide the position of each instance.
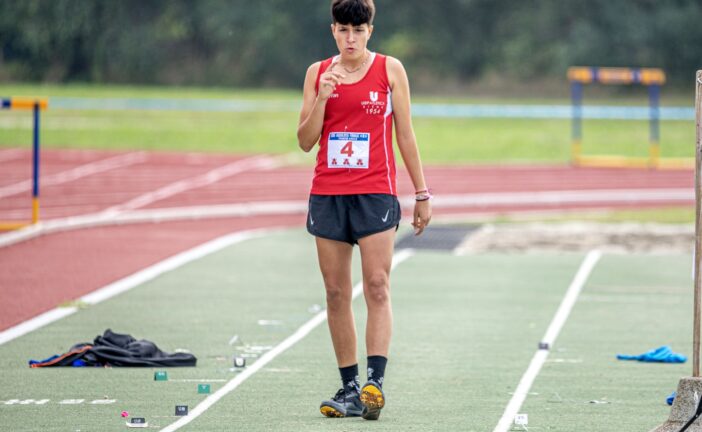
(131, 281)
(270, 355)
(552, 332)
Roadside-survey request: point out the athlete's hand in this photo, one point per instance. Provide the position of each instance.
(328, 81)
(422, 216)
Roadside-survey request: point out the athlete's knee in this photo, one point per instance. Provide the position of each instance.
(337, 295)
(377, 288)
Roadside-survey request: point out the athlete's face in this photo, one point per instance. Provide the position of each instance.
(351, 40)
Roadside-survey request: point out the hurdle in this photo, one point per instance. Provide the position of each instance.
(652, 78)
(36, 105)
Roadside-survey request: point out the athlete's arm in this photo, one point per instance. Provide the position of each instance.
(314, 103)
(406, 140)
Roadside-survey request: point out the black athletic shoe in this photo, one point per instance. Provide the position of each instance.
(345, 403)
(373, 400)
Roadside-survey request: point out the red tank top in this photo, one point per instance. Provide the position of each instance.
(355, 150)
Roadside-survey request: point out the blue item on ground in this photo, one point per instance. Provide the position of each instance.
(662, 354)
(75, 363)
(671, 398)
(46, 360)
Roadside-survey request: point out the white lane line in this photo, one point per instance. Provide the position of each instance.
(561, 197)
(212, 176)
(131, 281)
(115, 214)
(463, 201)
(254, 208)
(451, 201)
(152, 216)
(198, 380)
(552, 332)
(11, 154)
(291, 340)
(38, 321)
(72, 174)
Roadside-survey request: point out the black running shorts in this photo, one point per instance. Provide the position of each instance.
(348, 218)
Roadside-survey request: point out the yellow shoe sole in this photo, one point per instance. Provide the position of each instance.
(328, 411)
(372, 398)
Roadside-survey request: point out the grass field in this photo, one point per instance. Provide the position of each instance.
(465, 331)
(440, 140)
(600, 95)
(668, 215)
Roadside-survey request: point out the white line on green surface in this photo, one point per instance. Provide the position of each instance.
(549, 338)
(131, 281)
(291, 340)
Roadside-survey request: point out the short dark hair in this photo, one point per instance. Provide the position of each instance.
(354, 12)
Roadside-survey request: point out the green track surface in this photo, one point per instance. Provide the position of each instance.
(466, 328)
(630, 305)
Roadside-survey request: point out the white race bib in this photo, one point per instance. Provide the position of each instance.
(348, 150)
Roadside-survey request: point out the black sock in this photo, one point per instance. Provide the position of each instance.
(349, 377)
(376, 368)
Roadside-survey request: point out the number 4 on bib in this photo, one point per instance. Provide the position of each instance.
(348, 150)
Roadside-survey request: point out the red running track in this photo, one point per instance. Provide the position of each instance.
(38, 274)
(147, 172)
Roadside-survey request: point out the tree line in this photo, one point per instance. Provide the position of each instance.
(270, 43)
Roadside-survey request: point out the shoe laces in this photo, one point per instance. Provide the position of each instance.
(342, 395)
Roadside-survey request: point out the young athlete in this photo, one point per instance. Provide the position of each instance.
(349, 104)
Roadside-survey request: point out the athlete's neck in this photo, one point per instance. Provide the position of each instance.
(354, 64)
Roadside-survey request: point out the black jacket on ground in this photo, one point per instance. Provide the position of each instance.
(119, 350)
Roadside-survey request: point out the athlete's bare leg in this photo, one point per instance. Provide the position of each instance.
(376, 259)
(335, 264)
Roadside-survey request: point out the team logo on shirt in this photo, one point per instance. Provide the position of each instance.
(373, 105)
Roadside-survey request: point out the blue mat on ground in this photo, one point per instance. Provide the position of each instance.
(662, 354)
